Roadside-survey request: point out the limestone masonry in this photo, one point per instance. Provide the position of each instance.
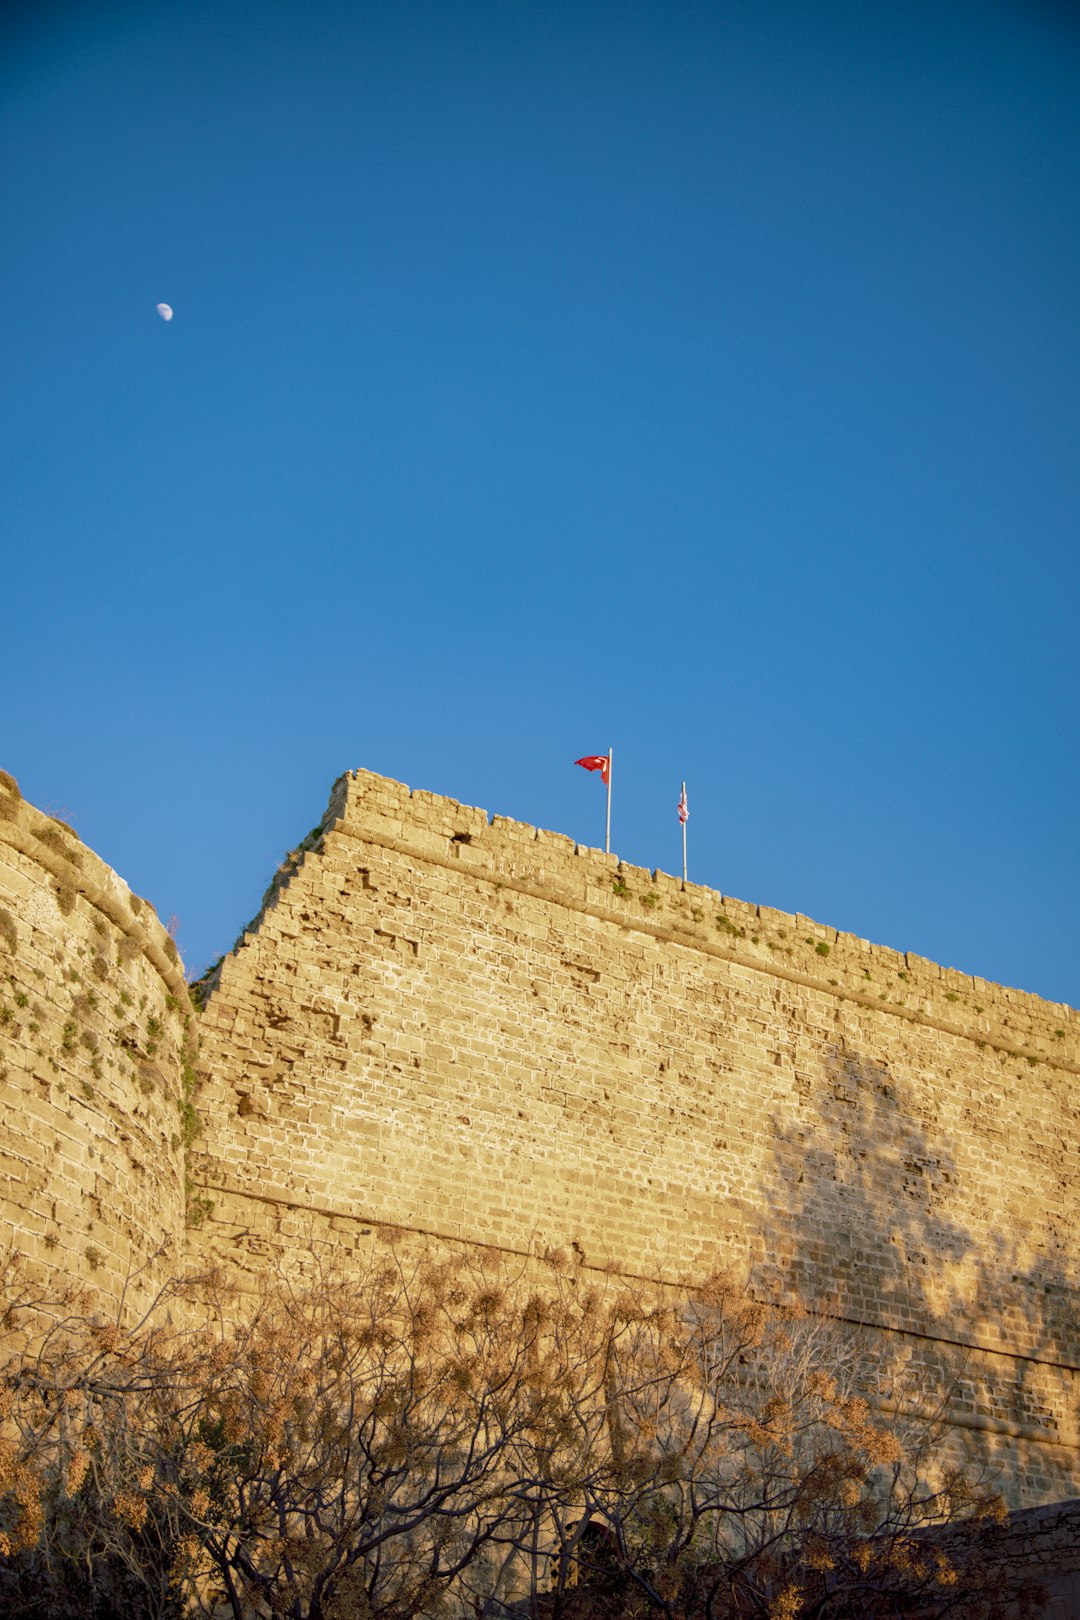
(484, 1033)
(92, 1010)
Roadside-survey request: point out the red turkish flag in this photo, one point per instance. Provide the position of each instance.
(596, 762)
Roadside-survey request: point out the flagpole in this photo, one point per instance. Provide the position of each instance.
(684, 837)
(607, 834)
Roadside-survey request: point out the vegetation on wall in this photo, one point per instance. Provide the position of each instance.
(10, 797)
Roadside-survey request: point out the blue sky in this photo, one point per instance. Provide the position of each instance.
(701, 379)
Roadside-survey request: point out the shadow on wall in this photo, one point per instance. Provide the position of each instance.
(869, 1217)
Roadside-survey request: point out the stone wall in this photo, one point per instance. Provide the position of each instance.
(93, 1007)
(478, 1031)
(1041, 1545)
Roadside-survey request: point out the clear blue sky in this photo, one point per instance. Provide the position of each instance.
(702, 379)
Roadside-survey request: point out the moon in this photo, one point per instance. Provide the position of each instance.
(165, 311)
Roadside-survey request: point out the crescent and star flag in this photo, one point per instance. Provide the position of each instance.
(684, 814)
(596, 762)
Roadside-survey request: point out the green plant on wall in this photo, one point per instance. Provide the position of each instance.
(190, 1124)
(200, 988)
(198, 1208)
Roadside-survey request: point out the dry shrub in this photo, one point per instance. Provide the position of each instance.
(54, 839)
(437, 1434)
(65, 896)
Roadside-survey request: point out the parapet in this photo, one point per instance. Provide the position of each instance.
(551, 866)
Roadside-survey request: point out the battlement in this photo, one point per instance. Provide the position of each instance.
(551, 866)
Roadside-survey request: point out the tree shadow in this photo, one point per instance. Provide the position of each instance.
(882, 1210)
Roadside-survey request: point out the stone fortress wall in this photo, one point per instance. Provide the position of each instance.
(93, 1007)
(481, 1032)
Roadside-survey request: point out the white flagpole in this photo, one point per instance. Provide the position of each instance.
(607, 834)
(684, 835)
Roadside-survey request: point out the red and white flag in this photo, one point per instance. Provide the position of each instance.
(596, 762)
(684, 814)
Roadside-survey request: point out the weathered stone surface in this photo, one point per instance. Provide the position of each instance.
(92, 1022)
(483, 1033)
(474, 1030)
